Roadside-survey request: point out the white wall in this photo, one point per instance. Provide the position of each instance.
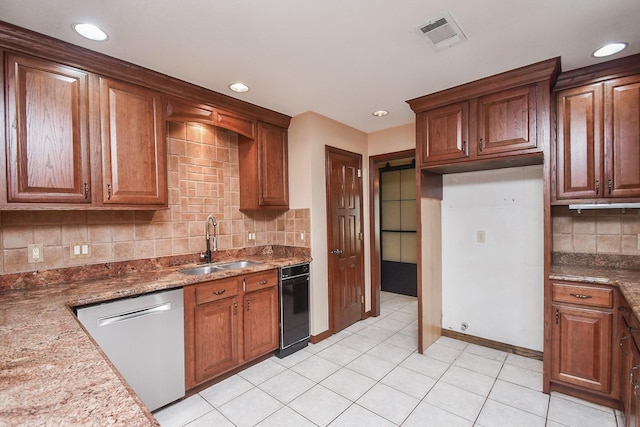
(495, 287)
(308, 134)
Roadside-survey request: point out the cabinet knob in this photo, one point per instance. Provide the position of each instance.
(621, 344)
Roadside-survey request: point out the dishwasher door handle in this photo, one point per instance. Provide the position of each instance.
(109, 320)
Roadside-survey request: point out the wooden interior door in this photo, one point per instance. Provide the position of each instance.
(344, 238)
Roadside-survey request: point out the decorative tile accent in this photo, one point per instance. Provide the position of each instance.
(203, 178)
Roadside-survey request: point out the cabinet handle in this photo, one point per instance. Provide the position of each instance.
(481, 141)
(220, 292)
(633, 383)
(610, 185)
(597, 186)
(581, 296)
(248, 304)
(244, 285)
(86, 191)
(621, 344)
(108, 191)
(235, 308)
(263, 282)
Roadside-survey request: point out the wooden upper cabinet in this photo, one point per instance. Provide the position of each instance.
(134, 159)
(47, 141)
(446, 133)
(597, 150)
(499, 121)
(264, 182)
(622, 136)
(579, 144)
(507, 121)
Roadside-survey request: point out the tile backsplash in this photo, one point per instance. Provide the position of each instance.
(202, 179)
(596, 231)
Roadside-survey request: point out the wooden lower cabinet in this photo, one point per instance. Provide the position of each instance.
(582, 335)
(260, 322)
(228, 323)
(582, 347)
(628, 355)
(216, 330)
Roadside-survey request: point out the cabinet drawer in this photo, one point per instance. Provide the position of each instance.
(266, 279)
(217, 290)
(583, 295)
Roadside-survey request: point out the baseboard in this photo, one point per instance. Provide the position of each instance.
(315, 339)
(508, 348)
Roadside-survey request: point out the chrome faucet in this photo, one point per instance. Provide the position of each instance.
(212, 241)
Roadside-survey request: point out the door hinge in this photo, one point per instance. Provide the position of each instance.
(557, 316)
(359, 173)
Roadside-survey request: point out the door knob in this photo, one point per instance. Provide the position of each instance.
(337, 252)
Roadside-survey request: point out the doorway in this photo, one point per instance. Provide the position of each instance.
(398, 239)
(344, 238)
(375, 163)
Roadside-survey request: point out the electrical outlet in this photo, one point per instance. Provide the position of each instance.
(35, 253)
(302, 236)
(481, 236)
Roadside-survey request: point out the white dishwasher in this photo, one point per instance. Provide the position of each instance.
(143, 337)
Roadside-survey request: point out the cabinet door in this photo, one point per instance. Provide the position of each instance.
(507, 121)
(134, 159)
(48, 134)
(581, 349)
(216, 338)
(444, 133)
(260, 322)
(273, 179)
(579, 151)
(622, 118)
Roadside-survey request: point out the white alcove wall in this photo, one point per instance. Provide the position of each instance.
(495, 287)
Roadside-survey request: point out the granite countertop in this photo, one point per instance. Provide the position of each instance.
(51, 371)
(620, 271)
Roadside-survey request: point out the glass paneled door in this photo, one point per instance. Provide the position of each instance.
(398, 229)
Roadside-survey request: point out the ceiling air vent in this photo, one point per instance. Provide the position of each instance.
(441, 32)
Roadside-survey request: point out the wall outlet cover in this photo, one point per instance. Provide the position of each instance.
(35, 253)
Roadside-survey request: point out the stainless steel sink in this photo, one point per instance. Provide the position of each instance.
(235, 264)
(212, 268)
(202, 269)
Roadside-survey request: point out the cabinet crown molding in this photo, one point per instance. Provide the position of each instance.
(540, 71)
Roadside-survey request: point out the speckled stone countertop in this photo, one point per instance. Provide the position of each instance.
(622, 271)
(51, 371)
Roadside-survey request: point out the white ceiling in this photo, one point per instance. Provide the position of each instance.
(340, 58)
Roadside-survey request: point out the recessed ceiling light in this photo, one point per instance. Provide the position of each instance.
(609, 49)
(380, 113)
(239, 87)
(90, 32)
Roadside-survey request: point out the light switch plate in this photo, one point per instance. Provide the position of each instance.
(481, 236)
